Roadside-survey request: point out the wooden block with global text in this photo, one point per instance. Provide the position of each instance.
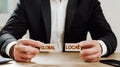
(47, 48)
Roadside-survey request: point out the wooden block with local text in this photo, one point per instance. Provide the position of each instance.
(72, 47)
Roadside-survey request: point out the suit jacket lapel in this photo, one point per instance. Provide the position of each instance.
(71, 8)
(45, 9)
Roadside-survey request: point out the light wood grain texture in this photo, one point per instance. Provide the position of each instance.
(59, 60)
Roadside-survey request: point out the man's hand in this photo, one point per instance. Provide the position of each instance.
(25, 50)
(90, 50)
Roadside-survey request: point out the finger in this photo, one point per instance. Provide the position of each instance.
(27, 49)
(27, 57)
(22, 60)
(89, 51)
(87, 44)
(30, 42)
(18, 57)
(91, 57)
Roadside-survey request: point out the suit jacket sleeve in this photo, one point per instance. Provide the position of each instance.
(14, 29)
(100, 29)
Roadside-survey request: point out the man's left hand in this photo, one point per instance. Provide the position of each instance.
(90, 50)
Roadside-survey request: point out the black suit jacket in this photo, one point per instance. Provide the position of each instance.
(35, 16)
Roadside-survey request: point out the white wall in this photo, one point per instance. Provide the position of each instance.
(4, 16)
(111, 10)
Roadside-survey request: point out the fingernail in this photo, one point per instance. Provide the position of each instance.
(28, 53)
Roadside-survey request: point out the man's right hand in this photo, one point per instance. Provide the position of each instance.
(25, 50)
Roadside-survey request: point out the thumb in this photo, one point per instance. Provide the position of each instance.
(86, 44)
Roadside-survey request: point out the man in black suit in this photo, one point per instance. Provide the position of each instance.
(41, 17)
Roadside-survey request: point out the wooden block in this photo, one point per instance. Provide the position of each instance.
(47, 48)
(72, 47)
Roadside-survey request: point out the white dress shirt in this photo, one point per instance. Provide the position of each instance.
(58, 15)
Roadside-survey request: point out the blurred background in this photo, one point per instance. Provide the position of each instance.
(6, 8)
(110, 8)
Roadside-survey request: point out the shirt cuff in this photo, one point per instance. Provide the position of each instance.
(9, 46)
(104, 47)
